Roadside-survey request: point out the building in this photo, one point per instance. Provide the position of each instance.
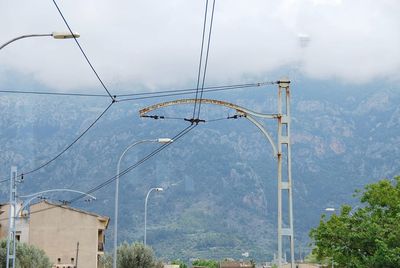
(70, 237)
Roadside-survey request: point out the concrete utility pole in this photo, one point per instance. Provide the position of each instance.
(281, 149)
(284, 179)
(11, 219)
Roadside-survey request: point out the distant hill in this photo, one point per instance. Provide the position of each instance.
(220, 179)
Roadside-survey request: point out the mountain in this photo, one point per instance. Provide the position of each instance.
(220, 178)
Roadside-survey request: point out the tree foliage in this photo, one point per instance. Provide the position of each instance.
(206, 263)
(366, 237)
(134, 255)
(27, 256)
(180, 263)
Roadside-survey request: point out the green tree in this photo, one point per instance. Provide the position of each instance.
(180, 263)
(366, 237)
(28, 256)
(136, 256)
(106, 261)
(206, 263)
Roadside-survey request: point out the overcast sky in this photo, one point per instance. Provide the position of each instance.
(156, 43)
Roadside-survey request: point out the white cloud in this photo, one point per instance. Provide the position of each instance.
(156, 43)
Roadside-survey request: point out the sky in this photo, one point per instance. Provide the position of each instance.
(156, 43)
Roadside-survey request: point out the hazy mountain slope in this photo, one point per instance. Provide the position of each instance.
(220, 198)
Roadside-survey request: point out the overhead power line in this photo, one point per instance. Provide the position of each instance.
(155, 94)
(66, 148)
(206, 63)
(178, 92)
(138, 163)
(201, 59)
(83, 52)
(215, 89)
(52, 93)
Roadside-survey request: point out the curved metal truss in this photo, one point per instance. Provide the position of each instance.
(281, 149)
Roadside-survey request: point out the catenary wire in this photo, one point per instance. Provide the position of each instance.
(138, 163)
(190, 92)
(83, 52)
(212, 89)
(206, 63)
(66, 148)
(52, 93)
(201, 58)
(124, 172)
(157, 93)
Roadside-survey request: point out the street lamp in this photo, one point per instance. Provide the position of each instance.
(158, 189)
(55, 35)
(160, 140)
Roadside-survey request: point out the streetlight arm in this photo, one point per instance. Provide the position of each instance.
(160, 140)
(55, 35)
(22, 37)
(33, 196)
(128, 148)
(158, 189)
(58, 190)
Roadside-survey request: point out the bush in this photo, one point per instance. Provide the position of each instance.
(27, 256)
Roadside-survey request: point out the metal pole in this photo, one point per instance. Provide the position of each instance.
(145, 215)
(145, 211)
(21, 37)
(279, 178)
(284, 185)
(11, 219)
(289, 172)
(117, 196)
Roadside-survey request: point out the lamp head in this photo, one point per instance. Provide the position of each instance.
(330, 209)
(65, 35)
(159, 189)
(165, 140)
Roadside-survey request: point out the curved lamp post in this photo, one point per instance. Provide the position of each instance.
(35, 195)
(160, 140)
(55, 35)
(158, 189)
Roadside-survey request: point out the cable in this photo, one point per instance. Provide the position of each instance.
(5, 180)
(52, 93)
(83, 52)
(124, 172)
(129, 169)
(184, 91)
(201, 58)
(205, 65)
(190, 92)
(212, 89)
(156, 117)
(69, 146)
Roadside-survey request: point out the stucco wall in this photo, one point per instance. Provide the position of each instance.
(58, 230)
